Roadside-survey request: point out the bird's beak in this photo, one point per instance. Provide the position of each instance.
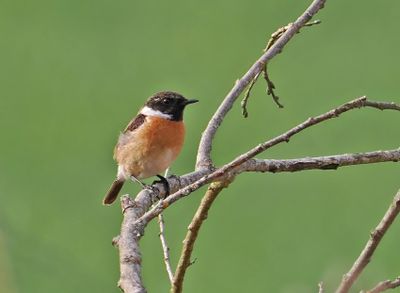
(191, 101)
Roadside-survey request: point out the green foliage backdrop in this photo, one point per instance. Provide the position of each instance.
(73, 73)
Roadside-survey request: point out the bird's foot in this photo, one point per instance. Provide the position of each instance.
(163, 181)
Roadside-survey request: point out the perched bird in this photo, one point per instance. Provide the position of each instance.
(151, 141)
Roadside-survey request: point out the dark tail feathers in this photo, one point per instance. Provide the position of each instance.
(113, 192)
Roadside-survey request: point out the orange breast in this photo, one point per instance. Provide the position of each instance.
(151, 148)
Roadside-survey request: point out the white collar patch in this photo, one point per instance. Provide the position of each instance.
(147, 111)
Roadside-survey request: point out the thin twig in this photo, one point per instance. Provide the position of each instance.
(385, 285)
(165, 247)
(285, 137)
(321, 287)
(384, 106)
(270, 85)
(164, 243)
(319, 163)
(369, 249)
(243, 103)
(188, 243)
(274, 37)
(204, 151)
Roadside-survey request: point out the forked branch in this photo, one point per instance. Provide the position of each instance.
(224, 171)
(270, 85)
(204, 152)
(385, 285)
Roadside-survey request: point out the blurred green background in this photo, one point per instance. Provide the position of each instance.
(73, 73)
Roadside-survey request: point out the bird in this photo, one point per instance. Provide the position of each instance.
(150, 142)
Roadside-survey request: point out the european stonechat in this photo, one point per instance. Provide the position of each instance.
(151, 141)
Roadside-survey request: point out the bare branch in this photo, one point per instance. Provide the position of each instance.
(224, 171)
(385, 285)
(129, 253)
(321, 163)
(165, 247)
(271, 87)
(188, 243)
(383, 105)
(135, 216)
(369, 249)
(131, 231)
(204, 151)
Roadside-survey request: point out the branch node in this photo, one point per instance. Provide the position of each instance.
(332, 166)
(314, 22)
(192, 262)
(127, 203)
(131, 259)
(376, 235)
(115, 241)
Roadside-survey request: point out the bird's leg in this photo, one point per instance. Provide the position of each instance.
(166, 173)
(134, 179)
(143, 185)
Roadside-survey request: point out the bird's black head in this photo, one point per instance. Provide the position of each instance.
(169, 103)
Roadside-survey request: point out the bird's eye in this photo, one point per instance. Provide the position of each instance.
(166, 101)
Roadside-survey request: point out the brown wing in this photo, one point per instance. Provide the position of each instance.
(135, 123)
(125, 135)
